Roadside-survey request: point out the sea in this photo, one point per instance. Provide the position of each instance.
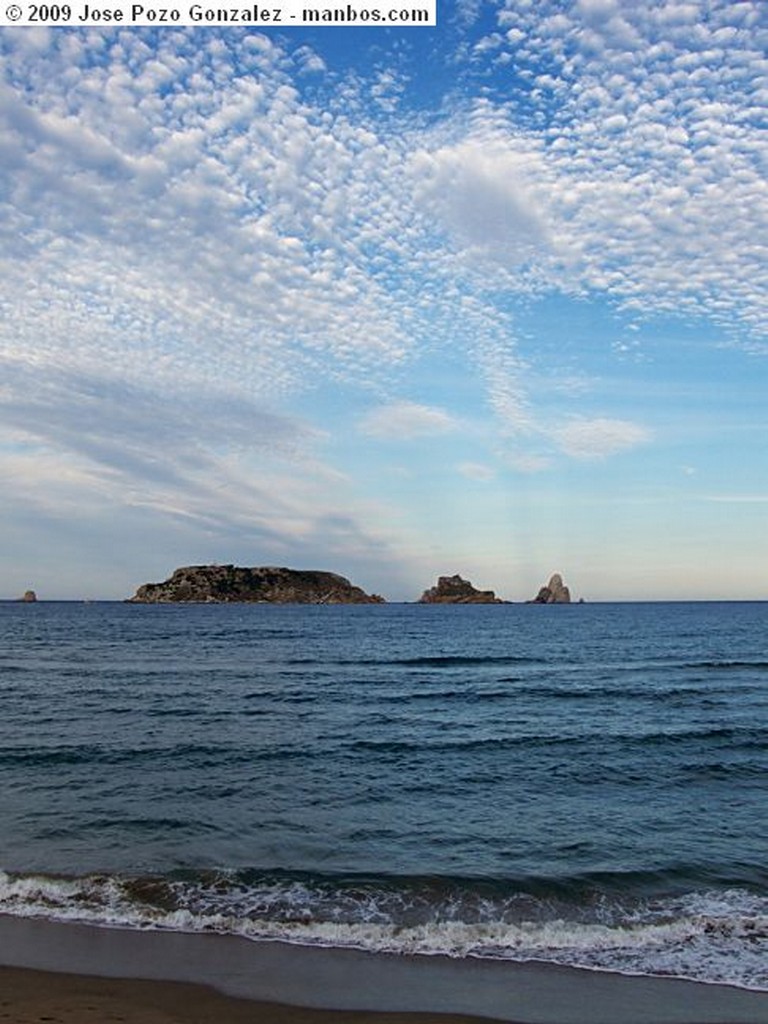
(581, 784)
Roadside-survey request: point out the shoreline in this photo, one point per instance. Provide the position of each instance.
(236, 980)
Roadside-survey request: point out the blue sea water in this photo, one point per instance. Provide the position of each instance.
(585, 784)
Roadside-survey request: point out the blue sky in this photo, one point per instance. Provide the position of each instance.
(487, 298)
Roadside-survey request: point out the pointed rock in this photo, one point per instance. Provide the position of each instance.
(555, 592)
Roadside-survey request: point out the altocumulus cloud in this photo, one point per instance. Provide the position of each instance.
(188, 190)
(653, 162)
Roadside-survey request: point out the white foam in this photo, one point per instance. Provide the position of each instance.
(705, 936)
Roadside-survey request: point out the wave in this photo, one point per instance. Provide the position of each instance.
(201, 755)
(207, 755)
(456, 660)
(732, 737)
(426, 661)
(648, 668)
(715, 934)
(726, 665)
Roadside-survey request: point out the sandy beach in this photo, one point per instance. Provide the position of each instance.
(74, 974)
(30, 997)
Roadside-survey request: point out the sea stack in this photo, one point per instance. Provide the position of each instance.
(455, 590)
(29, 597)
(555, 592)
(261, 585)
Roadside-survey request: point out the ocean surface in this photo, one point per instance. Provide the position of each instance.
(583, 784)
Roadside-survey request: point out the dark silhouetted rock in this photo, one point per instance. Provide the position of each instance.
(29, 597)
(555, 592)
(266, 584)
(455, 590)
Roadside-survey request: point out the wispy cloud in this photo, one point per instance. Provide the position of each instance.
(476, 471)
(404, 421)
(738, 499)
(598, 438)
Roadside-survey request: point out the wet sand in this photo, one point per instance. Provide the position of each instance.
(75, 974)
(33, 997)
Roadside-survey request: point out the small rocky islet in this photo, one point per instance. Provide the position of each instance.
(555, 592)
(455, 590)
(215, 584)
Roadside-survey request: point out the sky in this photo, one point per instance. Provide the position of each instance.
(486, 298)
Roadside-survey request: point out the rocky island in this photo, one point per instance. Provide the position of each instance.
(261, 584)
(455, 590)
(555, 592)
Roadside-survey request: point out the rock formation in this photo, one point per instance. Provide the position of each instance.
(455, 590)
(29, 597)
(266, 584)
(555, 592)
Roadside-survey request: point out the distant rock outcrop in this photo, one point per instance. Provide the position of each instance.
(29, 597)
(266, 584)
(455, 590)
(555, 592)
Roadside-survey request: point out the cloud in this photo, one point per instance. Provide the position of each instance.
(738, 499)
(225, 473)
(309, 61)
(144, 218)
(477, 189)
(476, 471)
(194, 190)
(598, 438)
(98, 507)
(652, 167)
(504, 374)
(78, 410)
(405, 421)
(528, 462)
(104, 441)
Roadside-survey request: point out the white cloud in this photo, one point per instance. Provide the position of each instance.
(478, 190)
(738, 499)
(528, 462)
(198, 474)
(504, 374)
(597, 10)
(597, 438)
(468, 10)
(652, 178)
(154, 221)
(476, 471)
(403, 421)
(309, 61)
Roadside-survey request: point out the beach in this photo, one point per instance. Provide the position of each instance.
(29, 997)
(76, 974)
